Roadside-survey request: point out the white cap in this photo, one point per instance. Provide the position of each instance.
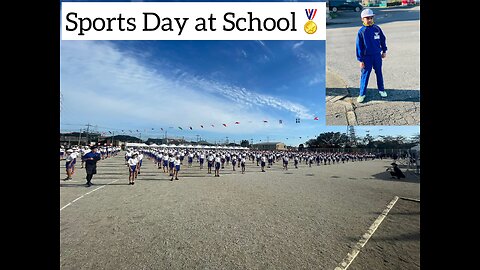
(367, 13)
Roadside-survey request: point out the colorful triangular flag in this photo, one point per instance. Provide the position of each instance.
(224, 125)
(315, 118)
(237, 123)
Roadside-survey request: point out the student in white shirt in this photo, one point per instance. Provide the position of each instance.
(218, 163)
(176, 168)
(242, 163)
(263, 160)
(69, 164)
(210, 160)
(140, 159)
(132, 168)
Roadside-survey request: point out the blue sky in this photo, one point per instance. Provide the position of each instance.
(153, 85)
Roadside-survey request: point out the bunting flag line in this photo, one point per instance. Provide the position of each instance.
(280, 122)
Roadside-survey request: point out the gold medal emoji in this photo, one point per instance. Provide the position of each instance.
(310, 27)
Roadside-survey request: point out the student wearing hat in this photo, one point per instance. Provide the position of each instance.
(371, 48)
(132, 168)
(90, 160)
(69, 164)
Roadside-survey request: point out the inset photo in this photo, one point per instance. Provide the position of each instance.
(373, 63)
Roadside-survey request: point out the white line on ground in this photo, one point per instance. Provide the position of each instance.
(361, 243)
(86, 194)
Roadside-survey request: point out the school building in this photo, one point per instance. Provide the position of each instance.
(269, 146)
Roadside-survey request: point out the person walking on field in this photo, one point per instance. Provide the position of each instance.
(132, 168)
(371, 48)
(90, 160)
(69, 164)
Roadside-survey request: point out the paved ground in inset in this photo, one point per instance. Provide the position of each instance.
(401, 70)
(306, 218)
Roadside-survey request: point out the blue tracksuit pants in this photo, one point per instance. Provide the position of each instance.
(375, 62)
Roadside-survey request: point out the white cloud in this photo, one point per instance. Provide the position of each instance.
(102, 84)
(298, 44)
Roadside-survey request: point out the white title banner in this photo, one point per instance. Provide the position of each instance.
(194, 21)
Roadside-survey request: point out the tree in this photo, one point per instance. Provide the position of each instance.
(245, 143)
(329, 140)
(301, 147)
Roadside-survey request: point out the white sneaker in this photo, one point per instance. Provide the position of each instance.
(383, 93)
(360, 99)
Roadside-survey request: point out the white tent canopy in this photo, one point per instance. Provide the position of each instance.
(136, 145)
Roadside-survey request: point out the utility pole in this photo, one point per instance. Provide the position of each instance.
(197, 137)
(88, 127)
(226, 142)
(79, 137)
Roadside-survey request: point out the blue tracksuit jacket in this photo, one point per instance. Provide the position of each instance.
(370, 41)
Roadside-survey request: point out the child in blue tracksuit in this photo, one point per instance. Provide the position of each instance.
(370, 49)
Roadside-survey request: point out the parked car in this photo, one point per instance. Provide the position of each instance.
(354, 5)
(408, 2)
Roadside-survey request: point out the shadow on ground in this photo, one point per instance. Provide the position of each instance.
(385, 176)
(373, 95)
